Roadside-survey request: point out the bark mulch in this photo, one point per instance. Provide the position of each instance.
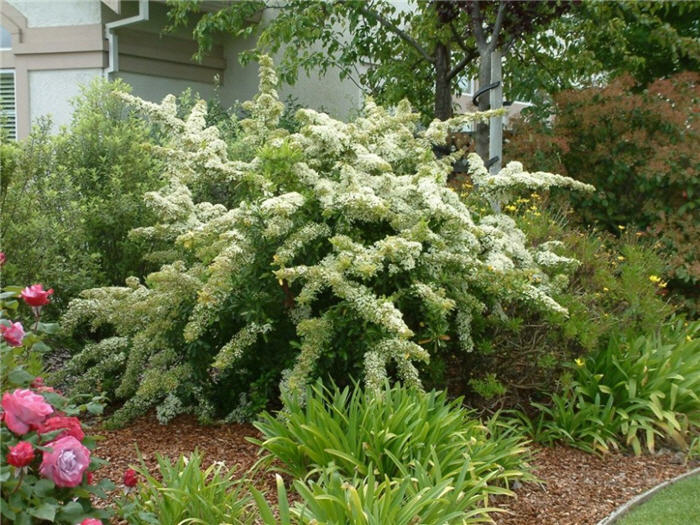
(576, 489)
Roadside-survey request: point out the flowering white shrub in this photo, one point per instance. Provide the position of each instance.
(343, 241)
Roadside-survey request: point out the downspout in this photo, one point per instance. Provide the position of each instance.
(113, 39)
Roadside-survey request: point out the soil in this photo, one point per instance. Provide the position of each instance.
(575, 488)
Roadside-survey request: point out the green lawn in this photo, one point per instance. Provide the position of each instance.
(678, 504)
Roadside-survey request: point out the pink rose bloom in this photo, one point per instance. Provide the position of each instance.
(21, 455)
(66, 462)
(13, 334)
(91, 521)
(70, 425)
(23, 408)
(35, 295)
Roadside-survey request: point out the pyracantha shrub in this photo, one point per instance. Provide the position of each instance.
(342, 250)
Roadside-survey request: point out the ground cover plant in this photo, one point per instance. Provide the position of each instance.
(341, 249)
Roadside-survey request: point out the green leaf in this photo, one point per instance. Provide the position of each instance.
(45, 511)
(95, 408)
(43, 487)
(72, 512)
(19, 376)
(48, 328)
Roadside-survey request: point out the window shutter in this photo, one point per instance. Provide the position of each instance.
(8, 110)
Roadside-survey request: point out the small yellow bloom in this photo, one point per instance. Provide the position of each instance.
(537, 214)
(605, 289)
(655, 278)
(579, 362)
(663, 284)
(620, 258)
(688, 338)
(510, 207)
(620, 227)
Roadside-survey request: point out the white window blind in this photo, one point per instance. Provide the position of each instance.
(8, 109)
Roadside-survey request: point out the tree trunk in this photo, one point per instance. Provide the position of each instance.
(482, 129)
(443, 93)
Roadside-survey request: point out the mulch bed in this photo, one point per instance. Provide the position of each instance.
(577, 488)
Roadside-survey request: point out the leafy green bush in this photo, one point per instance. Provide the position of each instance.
(629, 393)
(392, 446)
(184, 492)
(68, 201)
(640, 151)
(338, 250)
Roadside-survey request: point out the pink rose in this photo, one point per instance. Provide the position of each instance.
(66, 462)
(71, 427)
(35, 295)
(21, 454)
(13, 334)
(23, 408)
(91, 521)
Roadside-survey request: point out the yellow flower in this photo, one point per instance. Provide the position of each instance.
(579, 362)
(688, 338)
(605, 289)
(654, 278)
(537, 214)
(510, 207)
(620, 258)
(620, 227)
(663, 284)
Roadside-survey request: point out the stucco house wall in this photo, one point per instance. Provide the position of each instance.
(57, 46)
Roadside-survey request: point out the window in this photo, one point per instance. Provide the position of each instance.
(5, 39)
(8, 111)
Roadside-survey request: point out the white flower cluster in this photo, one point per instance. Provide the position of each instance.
(357, 217)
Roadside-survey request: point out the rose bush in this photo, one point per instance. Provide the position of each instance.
(46, 466)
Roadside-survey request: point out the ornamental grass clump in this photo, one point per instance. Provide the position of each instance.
(397, 455)
(338, 250)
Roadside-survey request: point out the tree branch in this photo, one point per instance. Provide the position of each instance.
(458, 38)
(469, 55)
(388, 24)
(497, 26)
(476, 24)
